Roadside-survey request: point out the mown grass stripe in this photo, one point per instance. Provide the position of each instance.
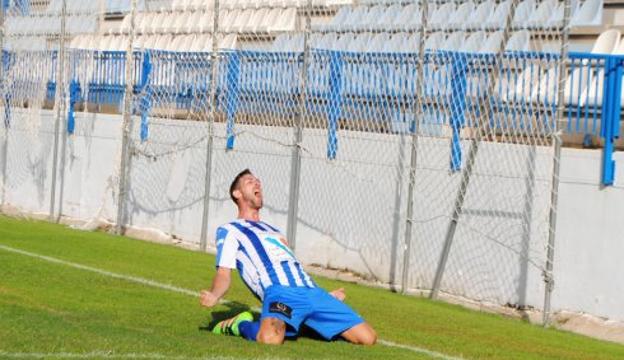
(169, 287)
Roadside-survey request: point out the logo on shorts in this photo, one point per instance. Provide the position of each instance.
(280, 308)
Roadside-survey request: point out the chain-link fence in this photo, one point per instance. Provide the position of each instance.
(415, 142)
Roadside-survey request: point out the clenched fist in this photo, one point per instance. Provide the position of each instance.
(208, 299)
(339, 294)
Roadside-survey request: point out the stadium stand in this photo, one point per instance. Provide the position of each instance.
(365, 27)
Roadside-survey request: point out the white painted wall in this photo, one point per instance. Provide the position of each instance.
(350, 215)
(589, 271)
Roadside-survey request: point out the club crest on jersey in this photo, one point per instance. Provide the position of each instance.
(276, 247)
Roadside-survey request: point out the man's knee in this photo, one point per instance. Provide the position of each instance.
(368, 337)
(272, 332)
(270, 339)
(362, 334)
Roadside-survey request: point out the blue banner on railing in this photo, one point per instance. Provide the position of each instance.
(348, 88)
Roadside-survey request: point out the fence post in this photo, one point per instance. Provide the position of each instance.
(554, 191)
(60, 104)
(295, 167)
(126, 124)
(65, 133)
(470, 162)
(414, 129)
(3, 97)
(211, 119)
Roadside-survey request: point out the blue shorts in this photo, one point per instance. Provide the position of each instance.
(313, 307)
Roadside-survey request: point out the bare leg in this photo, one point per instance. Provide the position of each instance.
(361, 334)
(272, 331)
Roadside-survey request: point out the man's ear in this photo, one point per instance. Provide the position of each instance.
(237, 194)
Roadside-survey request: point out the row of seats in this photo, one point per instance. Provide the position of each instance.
(583, 83)
(242, 21)
(49, 25)
(485, 15)
(187, 43)
(586, 80)
(479, 41)
(82, 17)
(27, 43)
(75, 7)
(186, 5)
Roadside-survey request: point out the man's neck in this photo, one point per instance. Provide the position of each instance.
(249, 214)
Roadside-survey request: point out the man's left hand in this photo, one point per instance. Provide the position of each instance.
(339, 294)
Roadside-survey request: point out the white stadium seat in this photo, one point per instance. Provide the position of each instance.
(459, 18)
(434, 41)
(473, 42)
(479, 17)
(378, 42)
(286, 20)
(589, 14)
(139, 42)
(440, 17)
(408, 17)
(499, 16)
(397, 43)
(519, 41)
(228, 42)
(386, 20)
(196, 25)
(261, 20)
(595, 92)
(576, 91)
(542, 14)
(454, 41)
(206, 22)
(240, 22)
(524, 11)
(150, 42)
(493, 43)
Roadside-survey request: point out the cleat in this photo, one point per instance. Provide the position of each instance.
(230, 326)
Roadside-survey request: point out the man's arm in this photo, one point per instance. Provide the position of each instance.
(220, 285)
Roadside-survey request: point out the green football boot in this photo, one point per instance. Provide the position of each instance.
(230, 326)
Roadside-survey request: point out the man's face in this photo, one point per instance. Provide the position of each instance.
(250, 190)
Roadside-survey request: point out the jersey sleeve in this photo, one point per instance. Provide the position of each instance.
(227, 246)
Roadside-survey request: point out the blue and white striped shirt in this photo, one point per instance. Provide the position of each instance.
(260, 254)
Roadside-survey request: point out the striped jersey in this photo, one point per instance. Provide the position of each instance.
(260, 254)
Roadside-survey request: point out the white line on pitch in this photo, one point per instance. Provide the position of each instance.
(180, 290)
(109, 355)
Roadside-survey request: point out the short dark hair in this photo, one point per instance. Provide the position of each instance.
(234, 185)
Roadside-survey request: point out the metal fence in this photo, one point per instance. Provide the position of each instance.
(420, 138)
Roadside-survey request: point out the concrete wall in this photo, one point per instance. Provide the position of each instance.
(589, 273)
(352, 210)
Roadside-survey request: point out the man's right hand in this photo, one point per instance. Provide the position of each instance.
(208, 299)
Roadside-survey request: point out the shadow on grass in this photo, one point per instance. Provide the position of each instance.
(234, 308)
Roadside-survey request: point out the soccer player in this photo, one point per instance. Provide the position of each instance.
(270, 270)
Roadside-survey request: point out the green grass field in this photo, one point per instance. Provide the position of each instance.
(57, 310)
